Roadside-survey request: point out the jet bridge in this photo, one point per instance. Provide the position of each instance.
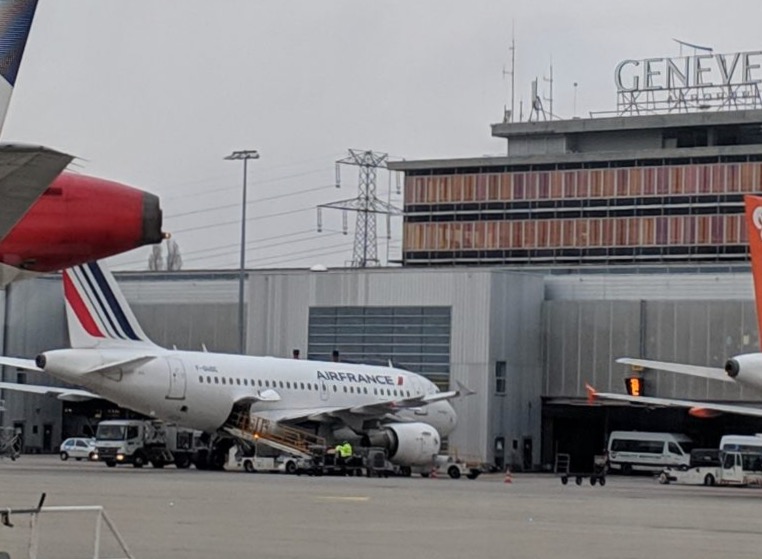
(253, 429)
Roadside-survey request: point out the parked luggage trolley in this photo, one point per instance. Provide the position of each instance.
(10, 443)
(598, 475)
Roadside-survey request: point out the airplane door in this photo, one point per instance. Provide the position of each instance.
(177, 380)
(323, 392)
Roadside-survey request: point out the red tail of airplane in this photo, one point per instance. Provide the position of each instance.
(754, 229)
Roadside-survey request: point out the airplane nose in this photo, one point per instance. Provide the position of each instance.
(152, 220)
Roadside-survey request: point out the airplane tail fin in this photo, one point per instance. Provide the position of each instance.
(754, 230)
(15, 22)
(97, 313)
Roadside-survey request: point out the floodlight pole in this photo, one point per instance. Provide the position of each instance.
(244, 155)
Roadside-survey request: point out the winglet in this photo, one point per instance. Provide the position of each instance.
(591, 394)
(463, 390)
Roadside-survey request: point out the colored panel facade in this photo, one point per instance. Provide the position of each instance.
(625, 212)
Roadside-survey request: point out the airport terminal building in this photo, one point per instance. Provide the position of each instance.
(524, 277)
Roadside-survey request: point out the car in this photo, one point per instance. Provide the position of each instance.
(78, 448)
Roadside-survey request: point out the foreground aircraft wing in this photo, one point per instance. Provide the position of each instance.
(25, 173)
(60, 392)
(699, 409)
(713, 373)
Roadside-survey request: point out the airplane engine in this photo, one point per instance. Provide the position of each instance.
(746, 369)
(79, 219)
(408, 444)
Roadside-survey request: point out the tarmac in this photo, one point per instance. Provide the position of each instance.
(191, 514)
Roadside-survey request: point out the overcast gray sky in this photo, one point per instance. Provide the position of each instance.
(154, 93)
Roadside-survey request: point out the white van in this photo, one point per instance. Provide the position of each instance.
(639, 450)
(742, 443)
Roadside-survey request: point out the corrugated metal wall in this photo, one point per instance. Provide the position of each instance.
(584, 338)
(483, 328)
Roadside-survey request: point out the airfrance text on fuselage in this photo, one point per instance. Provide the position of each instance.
(357, 377)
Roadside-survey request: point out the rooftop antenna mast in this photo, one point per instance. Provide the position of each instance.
(549, 98)
(538, 111)
(512, 73)
(367, 205)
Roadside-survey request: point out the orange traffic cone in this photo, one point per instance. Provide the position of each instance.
(508, 476)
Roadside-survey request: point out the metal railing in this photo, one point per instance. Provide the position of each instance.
(102, 519)
(258, 429)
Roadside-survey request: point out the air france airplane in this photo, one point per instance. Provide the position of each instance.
(112, 358)
(745, 369)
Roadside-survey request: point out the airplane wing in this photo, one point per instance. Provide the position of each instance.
(713, 373)
(700, 409)
(27, 364)
(131, 363)
(60, 392)
(380, 410)
(25, 173)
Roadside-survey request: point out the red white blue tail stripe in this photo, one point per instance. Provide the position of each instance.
(97, 312)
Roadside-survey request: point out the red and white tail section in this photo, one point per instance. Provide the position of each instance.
(97, 314)
(754, 229)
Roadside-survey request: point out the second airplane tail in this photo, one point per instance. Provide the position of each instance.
(754, 230)
(97, 313)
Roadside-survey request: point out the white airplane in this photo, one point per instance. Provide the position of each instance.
(745, 369)
(112, 358)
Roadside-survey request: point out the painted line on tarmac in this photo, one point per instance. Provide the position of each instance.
(340, 498)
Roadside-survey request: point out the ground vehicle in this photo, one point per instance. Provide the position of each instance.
(261, 458)
(453, 467)
(730, 468)
(742, 443)
(78, 448)
(10, 443)
(641, 450)
(138, 442)
(325, 461)
(597, 474)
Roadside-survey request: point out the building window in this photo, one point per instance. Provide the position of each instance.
(21, 377)
(500, 377)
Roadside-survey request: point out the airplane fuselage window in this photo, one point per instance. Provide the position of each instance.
(209, 380)
(345, 389)
(267, 383)
(335, 388)
(281, 384)
(216, 380)
(238, 381)
(301, 386)
(200, 378)
(288, 385)
(223, 380)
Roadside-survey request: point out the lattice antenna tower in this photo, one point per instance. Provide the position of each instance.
(367, 205)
